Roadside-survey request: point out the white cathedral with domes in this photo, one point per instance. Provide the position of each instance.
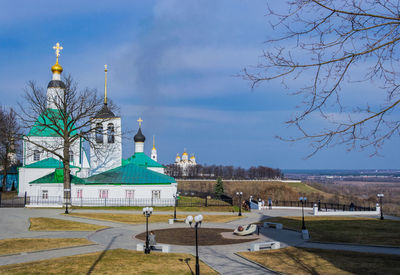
(185, 162)
(139, 179)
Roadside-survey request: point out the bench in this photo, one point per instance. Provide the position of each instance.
(276, 225)
(165, 248)
(258, 246)
(171, 221)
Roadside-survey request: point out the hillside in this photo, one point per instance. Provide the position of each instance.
(277, 190)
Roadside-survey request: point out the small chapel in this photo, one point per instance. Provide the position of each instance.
(103, 176)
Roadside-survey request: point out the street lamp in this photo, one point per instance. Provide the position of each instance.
(303, 200)
(304, 231)
(198, 219)
(240, 194)
(147, 211)
(380, 196)
(176, 196)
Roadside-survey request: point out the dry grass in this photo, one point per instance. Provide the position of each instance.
(155, 218)
(229, 209)
(115, 262)
(11, 246)
(275, 189)
(347, 229)
(298, 261)
(49, 224)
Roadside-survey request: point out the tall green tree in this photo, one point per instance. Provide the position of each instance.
(219, 188)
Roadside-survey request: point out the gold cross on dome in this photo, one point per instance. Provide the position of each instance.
(58, 48)
(140, 120)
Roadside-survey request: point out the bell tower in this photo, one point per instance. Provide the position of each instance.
(106, 145)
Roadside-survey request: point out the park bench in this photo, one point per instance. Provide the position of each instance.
(171, 221)
(273, 224)
(258, 246)
(165, 248)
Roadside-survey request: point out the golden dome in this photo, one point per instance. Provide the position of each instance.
(184, 154)
(56, 68)
(192, 157)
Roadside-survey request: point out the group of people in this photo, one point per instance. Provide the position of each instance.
(261, 204)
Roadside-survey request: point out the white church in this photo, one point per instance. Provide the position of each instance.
(105, 178)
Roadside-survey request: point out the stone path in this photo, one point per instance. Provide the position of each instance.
(14, 224)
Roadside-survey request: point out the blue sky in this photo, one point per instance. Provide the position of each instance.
(175, 64)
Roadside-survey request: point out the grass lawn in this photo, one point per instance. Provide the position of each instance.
(49, 224)
(347, 229)
(298, 261)
(118, 261)
(155, 218)
(11, 246)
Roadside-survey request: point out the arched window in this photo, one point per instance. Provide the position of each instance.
(71, 156)
(99, 133)
(36, 155)
(110, 133)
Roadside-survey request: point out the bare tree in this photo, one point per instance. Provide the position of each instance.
(70, 120)
(9, 141)
(328, 44)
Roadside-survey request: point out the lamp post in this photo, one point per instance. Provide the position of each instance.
(176, 196)
(198, 219)
(303, 200)
(240, 194)
(147, 211)
(380, 196)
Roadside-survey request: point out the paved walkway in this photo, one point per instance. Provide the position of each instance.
(14, 224)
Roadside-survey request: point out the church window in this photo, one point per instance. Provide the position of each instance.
(71, 157)
(79, 193)
(103, 194)
(99, 133)
(36, 155)
(155, 194)
(129, 194)
(110, 133)
(45, 194)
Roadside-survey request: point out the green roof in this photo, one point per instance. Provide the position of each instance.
(141, 159)
(130, 174)
(47, 163)
(57, 177)
(44, 125)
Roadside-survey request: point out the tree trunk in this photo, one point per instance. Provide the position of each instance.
(4, 180)
(5, 168)
(67, 171)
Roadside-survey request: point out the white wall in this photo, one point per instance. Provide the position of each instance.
(52, 143)
(26, 175)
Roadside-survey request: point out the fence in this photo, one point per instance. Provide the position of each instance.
(187, 202)
(322, 206)
(99, 202)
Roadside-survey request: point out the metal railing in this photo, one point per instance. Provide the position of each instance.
(324, 206)
(100, 202)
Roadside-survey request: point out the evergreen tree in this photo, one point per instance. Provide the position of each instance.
(219, 188)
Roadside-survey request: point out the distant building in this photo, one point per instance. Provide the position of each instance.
(185, 163)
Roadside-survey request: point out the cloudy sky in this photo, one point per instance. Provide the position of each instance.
(175, 64)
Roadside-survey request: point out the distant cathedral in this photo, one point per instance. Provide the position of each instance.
(185, 162)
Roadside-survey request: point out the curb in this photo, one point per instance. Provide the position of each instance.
(356, 244)
(260, 265)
